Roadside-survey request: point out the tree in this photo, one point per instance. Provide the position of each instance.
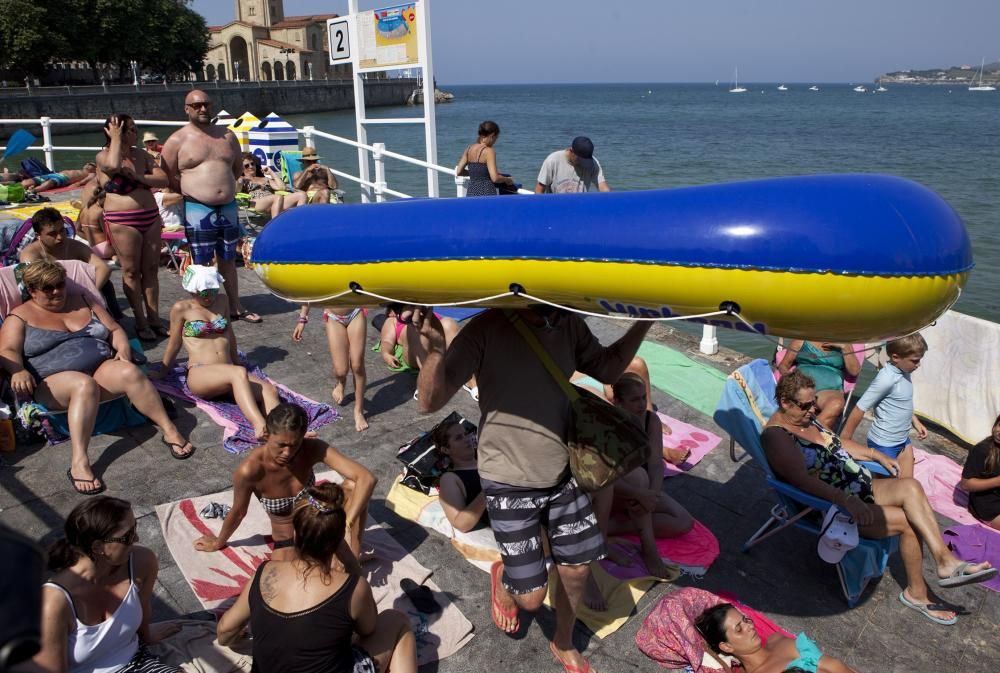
(27, 39)
(182, 37)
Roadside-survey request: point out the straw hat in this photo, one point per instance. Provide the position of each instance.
(149, 135)
(309, 154)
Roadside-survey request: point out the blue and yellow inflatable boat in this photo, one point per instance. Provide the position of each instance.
(846, 258)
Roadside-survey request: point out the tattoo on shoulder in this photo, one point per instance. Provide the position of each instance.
(269, 583)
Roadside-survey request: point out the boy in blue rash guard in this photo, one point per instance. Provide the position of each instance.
(891, 396)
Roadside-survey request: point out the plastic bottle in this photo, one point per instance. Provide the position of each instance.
(7, 439)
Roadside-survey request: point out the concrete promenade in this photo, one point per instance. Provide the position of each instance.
(782, 576)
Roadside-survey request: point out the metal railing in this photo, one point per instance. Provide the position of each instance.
(90, 89)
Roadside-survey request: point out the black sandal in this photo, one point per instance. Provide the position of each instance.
(247, 315)
(176, 449)
(74, 481)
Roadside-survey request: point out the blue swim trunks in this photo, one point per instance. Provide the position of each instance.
(211, 230)
(59, 178)
(891, 451)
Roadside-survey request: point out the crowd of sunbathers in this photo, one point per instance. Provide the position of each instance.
(64, 349)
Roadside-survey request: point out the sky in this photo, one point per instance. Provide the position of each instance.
(554, 41)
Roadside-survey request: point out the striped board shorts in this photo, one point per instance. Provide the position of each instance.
(143, 661)
(211, 230)
(516, 516)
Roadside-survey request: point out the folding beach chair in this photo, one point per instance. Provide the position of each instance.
(290, 163)
(746, 404)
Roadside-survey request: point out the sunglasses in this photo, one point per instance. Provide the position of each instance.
(49, 289)
(128, 538)
(207, 293)
(805, 406)
(248, 166)
(200, 104)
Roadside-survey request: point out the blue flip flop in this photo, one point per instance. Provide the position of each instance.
(959, 577)
(925, 610)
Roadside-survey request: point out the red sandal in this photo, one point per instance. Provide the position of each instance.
(495, 570)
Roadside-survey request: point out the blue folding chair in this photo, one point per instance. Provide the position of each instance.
(746, 404)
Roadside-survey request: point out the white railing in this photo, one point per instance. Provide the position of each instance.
(379, 187)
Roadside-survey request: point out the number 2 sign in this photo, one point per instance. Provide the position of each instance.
(340, 41)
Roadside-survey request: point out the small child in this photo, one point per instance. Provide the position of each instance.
(891, 396)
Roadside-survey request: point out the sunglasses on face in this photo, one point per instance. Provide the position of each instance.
(128, 538)
(248, 166)
(805, 406)
(206, 293)
(49, 289)
(200, 105)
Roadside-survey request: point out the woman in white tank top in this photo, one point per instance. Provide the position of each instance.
(96, 605)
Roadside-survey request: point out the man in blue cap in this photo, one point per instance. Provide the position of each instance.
(571, 170)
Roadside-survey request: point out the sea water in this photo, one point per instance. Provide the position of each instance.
(651, 136)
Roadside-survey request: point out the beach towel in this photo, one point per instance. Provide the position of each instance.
(238, 433)
(217, 578)
(976, 544)
(693, 552)
(695, 384)
(939, 475)
(621, 587)
(194, 649)
(682, 435)
(669, 637)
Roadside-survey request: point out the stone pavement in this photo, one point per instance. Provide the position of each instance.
(782, 576)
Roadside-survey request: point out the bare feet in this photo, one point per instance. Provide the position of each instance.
(593, 598)
(656, 566)
(259, 431)
(503, 608)
(360, 422)
(338, 393)
(675, 456)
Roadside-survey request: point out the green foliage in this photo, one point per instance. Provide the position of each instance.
(163, 36)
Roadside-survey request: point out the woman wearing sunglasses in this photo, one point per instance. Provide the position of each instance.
(213, 369)
(807, 455)
(259, 182)
(70, 355)
(96, 605)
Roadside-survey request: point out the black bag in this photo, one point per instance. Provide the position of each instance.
(423, 464)
(34, 167)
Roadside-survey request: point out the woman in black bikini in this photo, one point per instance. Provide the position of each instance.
(132, 218)
(280, 471)
(461, 492)
(479, 162)
(260, 183)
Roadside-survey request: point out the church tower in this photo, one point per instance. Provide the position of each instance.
(260, 12)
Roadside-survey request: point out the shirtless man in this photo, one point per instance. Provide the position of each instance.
(202, 161)
(52, 241)
(61, 179)
(313, 184)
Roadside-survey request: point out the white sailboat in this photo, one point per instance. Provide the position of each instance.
(782, 87)
(814, 88)
(860, 88)
(981, 86)
(736, 84)
(880, 89)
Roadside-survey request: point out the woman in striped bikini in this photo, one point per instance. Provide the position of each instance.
(132, 219)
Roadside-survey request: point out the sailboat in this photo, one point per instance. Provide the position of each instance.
(981, 86)
(880, 89)
(860, 88)
(736, 85)
(782, 87)
(814, 88)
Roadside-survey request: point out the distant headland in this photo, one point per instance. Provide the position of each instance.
(960, 75)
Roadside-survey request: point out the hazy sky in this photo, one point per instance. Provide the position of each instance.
(513, 41)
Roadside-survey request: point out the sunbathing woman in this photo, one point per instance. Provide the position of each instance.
(280, 472)
(726, 630)
(200, 324)
(346, 331)
(308, 616)
(981, 478)
(812, 458)
(260, 183)
(126, 173)
(461, 492)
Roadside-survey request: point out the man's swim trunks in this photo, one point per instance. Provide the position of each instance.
(211, 230)
(59, 178)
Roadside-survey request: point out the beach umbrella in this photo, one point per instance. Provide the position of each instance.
(19, 141)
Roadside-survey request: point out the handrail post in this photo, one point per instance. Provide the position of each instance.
(379, 160)
(307, 136)
(709, 341)
(47, 141)
(460, 189)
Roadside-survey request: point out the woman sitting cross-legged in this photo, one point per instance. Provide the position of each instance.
(69, 355)
(307, 616)
(201, 326)
(814, 459)
(96, 604)
(461, 492)
(981, 478)
(726, 630)
(280, 472)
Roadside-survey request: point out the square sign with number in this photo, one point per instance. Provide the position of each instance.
(340, 41)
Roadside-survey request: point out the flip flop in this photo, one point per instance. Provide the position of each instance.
(74, 481)
(248, 316)
(925, 610)
(495, 571)
(959, 578)
(569, 668)
(176, 450)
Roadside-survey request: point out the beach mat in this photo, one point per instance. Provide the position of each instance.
(622, 587)
(682, 435)
(695, 384)
(217, 578)
(23, 212)
(939, 475)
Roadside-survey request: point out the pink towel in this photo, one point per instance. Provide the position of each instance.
(686, 436)
(696, 548)
(939, 475)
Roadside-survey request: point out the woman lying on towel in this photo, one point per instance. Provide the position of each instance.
(96, 605)
(306, 615)
(726, 630)
(280, 473)
(812, 458)
(461, 492)
(69, 355)
(981, 478)
(639, 505)
(200, 324)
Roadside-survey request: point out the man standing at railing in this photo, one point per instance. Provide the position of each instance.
(202, 161)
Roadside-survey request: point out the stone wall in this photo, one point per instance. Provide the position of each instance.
(286, 98)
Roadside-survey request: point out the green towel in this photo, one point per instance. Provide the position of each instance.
(697, 385)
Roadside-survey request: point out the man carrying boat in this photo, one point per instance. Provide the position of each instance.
(202, 161)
